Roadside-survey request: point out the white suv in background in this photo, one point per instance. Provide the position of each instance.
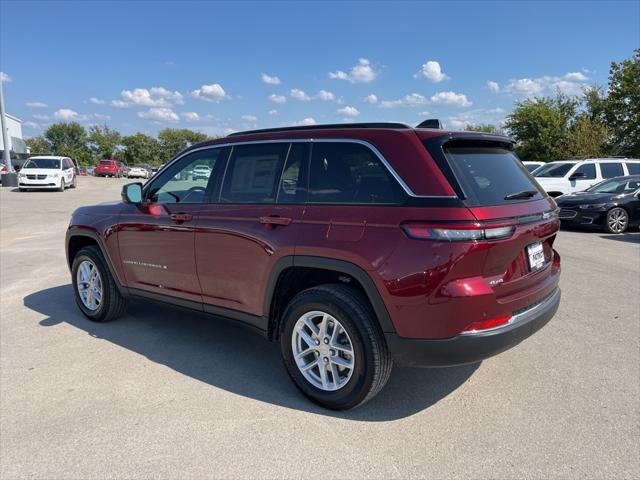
(47, 172)
(568, 176)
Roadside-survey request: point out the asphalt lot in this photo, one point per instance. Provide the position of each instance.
(164, 393)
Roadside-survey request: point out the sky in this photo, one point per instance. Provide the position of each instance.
(220, 67)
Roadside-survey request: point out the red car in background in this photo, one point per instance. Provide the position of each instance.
(109, 168)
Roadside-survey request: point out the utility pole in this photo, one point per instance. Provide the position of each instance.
(9, 179)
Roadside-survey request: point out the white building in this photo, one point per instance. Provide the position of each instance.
(18, 147)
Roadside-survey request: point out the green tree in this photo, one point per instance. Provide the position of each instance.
(622, 110)
(484, 127)
(38, 145)
(541, 127)
(141, 148)
(173, 141)
(69, 139)
(588, 137)
(103, 141)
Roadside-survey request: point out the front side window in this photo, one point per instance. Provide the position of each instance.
(589, 170)
(610, 170)
(554, 170)
(343, 172)
(186, 180)
(253, 172)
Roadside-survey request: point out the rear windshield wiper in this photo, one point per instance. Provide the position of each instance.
(523, 194)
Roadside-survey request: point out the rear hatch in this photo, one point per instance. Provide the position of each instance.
(519, 218)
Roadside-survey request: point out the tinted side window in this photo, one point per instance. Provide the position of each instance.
(253, 172)
(634, 168)
(350, 173)
(186, 181)
(589, 170)
(293, 184)
(610, 170)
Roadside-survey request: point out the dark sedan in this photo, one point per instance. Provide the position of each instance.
(612, 205)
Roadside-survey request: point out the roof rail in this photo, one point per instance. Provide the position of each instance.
(330, 126)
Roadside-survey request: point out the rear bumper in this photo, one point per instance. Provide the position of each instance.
(473, 347)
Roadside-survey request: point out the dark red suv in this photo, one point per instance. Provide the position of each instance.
(354, 246)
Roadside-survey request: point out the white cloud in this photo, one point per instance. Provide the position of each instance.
(363, 72)
(68, 115)
(160, 114)
(277, 98)
(100, 116)
(326, 96)
(349, 111)
(41, 117)
(249, 118)
(36, 105)
(576, 77)
(372, 99)
(30, 124)
(268, 79)
(424, 114)
(493, 86)
(451, 98)
(210, 93)
(457, 124)
(299, 95)
(190, 116)
(410, 100)
(119, 104)
(152, 97)
(432, 72)
(5, 78)
(492, 116)
(273, 112)
(97, 101)
(307, 121)
(571, 83)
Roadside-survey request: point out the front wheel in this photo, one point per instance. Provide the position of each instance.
(332, 347)
(61, 187)
(74, 182)
(617, 220)
(95, 290)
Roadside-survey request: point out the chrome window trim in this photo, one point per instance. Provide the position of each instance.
(371, 147)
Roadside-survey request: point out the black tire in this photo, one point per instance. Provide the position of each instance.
(619, 224)
(61, 187)
(113, 303)
(372, 361)
(74, 182)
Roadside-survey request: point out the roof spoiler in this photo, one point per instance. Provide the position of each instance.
(431, 123)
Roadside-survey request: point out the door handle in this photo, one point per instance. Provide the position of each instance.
(274, 221)
(181, 217)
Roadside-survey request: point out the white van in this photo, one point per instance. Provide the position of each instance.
(568, 176)
(47, 172)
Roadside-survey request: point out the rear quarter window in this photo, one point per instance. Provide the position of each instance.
(488, 175)
(610, 170)
(633, 168)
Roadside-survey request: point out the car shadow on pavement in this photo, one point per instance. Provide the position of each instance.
(627, 237)
(233, 358)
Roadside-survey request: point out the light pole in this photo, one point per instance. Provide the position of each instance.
(9, 179)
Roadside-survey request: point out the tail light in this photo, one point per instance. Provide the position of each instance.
(487, 324)
(459, 232)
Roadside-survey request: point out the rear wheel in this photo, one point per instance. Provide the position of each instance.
(95, 290)
(332, 347)
(617, 220)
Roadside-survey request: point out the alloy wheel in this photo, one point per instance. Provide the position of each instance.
(89, 284)
(322, 350)
(617, 220)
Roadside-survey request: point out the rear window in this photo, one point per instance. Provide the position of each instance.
(106, 163)
(634, 168)
(610, 170)
(491, 176)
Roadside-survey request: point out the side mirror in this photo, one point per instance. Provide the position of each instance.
(578, 176)
(132, 193)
